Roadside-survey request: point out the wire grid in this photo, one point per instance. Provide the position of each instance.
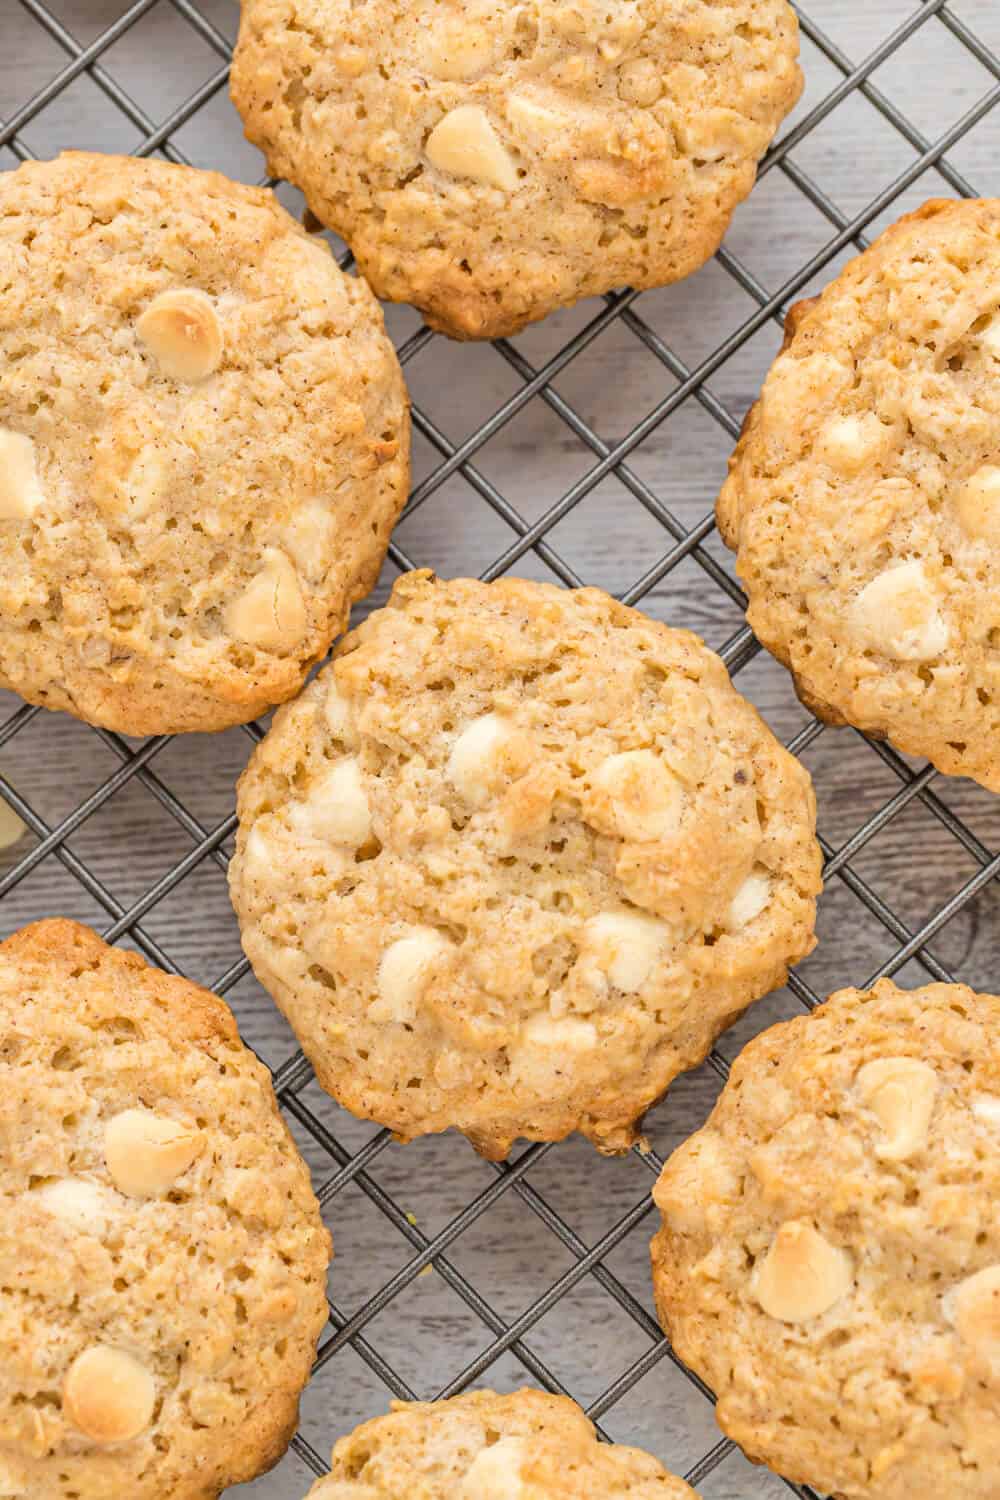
(292, 1079)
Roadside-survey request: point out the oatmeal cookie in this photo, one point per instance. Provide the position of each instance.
(162, 1256)
(203, 444)
(514, 860)
(490, 161)
(480, 1446)
(829, 1260)
(863, 499)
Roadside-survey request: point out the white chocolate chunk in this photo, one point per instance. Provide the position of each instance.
(802, 1275)
(848, 443)
(405, 972)
(337, 712)
(495, 1472)
(530, 118)
(181, 329)
(900, 1092)
(109, 1395)
(308, 537)
(146, 1153)
(569, 1032)
(259, 855)
(646, 797)
(973, 1310)
(465, 144)
(897, 613)
(986, 1107)
(473, 762)
(20, 487)
(455, 50)
(748, 902)
(626, 946)
(271, 612)
(977, 504)
(990, 336)
(336, 809)
(147, 483)
(82, 1206)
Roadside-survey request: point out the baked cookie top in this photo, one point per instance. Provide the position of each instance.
(515, 859)
(830, 1254)
(203, 444)
(490, 161)
(525, 1446)
(162, 1256)
(864, 496)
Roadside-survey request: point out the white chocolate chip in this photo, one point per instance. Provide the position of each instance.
(977, 504)
(181, 329)
(569, 1032)
(465, 144)
(748, 902)
(337, 712)
(897, 613)
(626, 946)
(473, 763)
(986, 1107)
(146, 1153)
(20, 487)
(271, 612)
(900, 1092)
(108, 1395)
(802, 1275)
(147, 483)
(83, 1206)
(646, 798)
(848, 443)
(990, 337)
(405, 972)
(530, 118)
(259, 855)
(973, 1310)
(308, 537)
(455, 50)
(336, 809)
(495, 1472)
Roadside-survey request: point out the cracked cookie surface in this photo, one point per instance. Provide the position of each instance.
(162, 1256)
(481, 1446)
(204, 444)
(863, 499)
(490, 161)
(514, 860)
(829, 1261)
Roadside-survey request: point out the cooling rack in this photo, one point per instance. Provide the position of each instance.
(588, 450)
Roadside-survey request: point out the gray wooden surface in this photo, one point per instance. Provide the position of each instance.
(913, 865)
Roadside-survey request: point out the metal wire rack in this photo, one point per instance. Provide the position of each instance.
(909, 858)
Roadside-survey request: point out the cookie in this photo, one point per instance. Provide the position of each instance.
(515, 858)
(203, 444)
(864, 497)
(491, 162)
(829, 1260)
(480, 1446)
(162, 1256)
